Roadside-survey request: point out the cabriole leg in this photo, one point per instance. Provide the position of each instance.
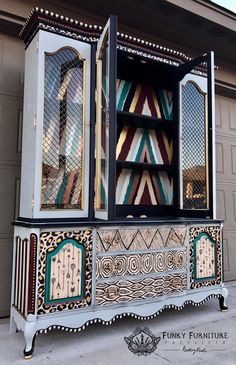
(222, 300)
(29, 335)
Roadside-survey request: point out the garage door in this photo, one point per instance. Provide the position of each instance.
(11, 97)
(226, 178)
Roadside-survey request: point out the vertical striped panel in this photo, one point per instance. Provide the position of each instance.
(32, 273)
(21, 275)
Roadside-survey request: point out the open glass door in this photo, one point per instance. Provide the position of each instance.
(197, 141)
(106, 121)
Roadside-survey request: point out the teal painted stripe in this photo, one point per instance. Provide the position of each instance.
(166, 107)
(123, 95)
(129, 188)
(103, 194)
(62, 190)
(140, 150)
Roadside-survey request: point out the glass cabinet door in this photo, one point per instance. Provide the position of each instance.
(63, 134)
(106, 120)
(197, 139)
(63, 131)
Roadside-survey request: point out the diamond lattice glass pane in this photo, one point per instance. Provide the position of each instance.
(194, 147)
(62, 152)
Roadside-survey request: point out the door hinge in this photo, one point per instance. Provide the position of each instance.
(35, 121)
(37, 45)
(32, 202)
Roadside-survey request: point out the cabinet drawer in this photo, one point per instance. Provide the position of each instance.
(140, 239)
(140, 263)
(134, 290)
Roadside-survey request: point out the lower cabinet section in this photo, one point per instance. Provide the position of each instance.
(72, 277)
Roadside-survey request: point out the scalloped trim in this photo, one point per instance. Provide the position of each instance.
(126, 314)
(91, 33)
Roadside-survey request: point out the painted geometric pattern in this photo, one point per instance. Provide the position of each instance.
(133, 290)
(145, 187)
(202, 239)
(140, 239)
(205, 257)
(119, 265)
(142, 99)
(144, 145)
(55, 242)
(64, 272)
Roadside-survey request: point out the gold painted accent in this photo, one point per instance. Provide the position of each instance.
(28, 357)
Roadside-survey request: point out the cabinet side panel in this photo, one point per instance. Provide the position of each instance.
(28, 141)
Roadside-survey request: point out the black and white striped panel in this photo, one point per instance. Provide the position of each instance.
(21, 275)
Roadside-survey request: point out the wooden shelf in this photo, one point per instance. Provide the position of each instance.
(142, 166)
(145, 121)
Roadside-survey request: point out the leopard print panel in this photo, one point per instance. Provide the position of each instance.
(214, 233)
(49, 241)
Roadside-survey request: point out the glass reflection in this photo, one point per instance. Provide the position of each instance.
(194, 147)
(62, 152)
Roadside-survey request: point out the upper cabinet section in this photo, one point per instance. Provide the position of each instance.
(61, 127)
(147, 149)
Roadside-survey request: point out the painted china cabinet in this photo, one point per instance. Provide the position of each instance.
(117, 211)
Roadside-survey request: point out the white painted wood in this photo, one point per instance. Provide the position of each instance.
(32, 137)
(49, 42)
(29, 135)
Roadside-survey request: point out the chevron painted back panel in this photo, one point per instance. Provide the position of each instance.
(145, 187)
(142, 99)
(144, 145)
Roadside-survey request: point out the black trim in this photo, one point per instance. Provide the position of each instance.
(112, 116)
(136, 120)
(148, 210)
(210, 131)
(62, 223)
(143, 166)
(92, 131)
